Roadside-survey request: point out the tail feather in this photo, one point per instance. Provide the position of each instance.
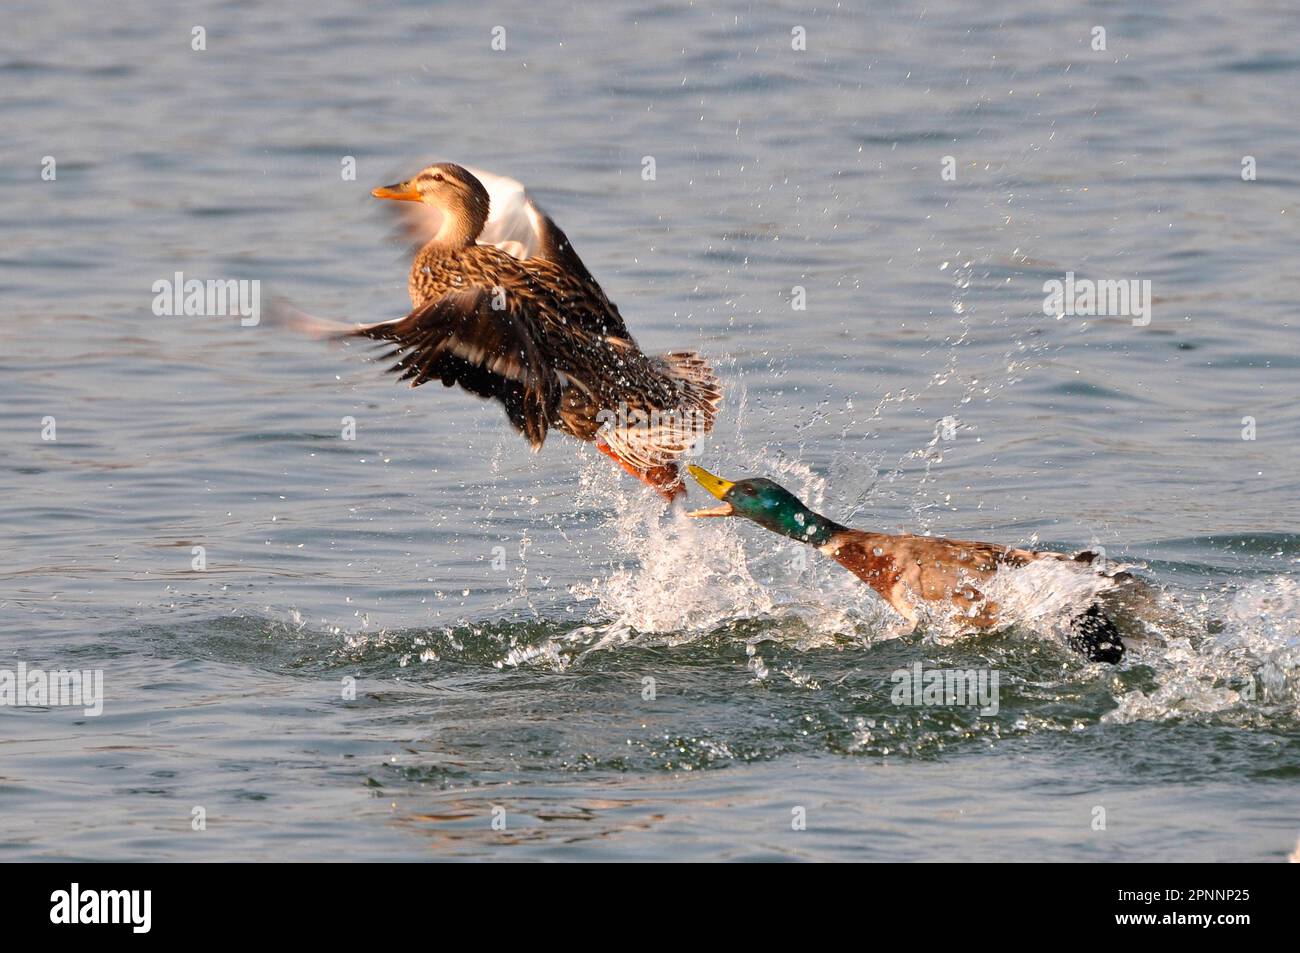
(659, 436)
(696, 381)
(1095, 636)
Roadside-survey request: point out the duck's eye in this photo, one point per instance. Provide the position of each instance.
(437, 177)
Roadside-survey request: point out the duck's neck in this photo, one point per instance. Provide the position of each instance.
(460, 227)
(801, 524)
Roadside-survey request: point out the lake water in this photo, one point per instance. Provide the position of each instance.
(500, 613)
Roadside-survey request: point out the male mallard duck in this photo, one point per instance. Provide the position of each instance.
(503, 307)
(908, 570)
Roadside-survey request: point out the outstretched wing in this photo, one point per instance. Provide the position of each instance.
(464, 339)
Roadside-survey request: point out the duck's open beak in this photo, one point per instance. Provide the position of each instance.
(400, 192)
(715, 485)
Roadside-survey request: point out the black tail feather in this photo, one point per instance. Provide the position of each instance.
(1095, 636)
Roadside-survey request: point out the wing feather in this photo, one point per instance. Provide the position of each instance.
(462, 340)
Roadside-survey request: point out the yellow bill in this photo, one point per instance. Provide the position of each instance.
(715, 485)
(400, 192)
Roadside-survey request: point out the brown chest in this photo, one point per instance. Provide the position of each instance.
(872, 564)
(907, 571)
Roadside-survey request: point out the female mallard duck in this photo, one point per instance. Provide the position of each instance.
(909, 570)
(503, 307)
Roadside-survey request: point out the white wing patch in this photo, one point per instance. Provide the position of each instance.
(505, 367)
(514, 223)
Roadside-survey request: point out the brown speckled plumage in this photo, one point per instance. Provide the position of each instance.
(539, 335)
(907, 570)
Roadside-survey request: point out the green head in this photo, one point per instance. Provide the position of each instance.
(768, 504)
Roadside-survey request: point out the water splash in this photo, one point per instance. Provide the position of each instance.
(679, 578)
(1236, 654)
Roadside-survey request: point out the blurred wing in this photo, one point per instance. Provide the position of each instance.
(462, 339)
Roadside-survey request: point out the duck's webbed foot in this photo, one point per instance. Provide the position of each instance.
(666, 479)
(1096, 637)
